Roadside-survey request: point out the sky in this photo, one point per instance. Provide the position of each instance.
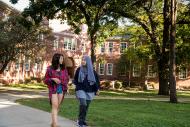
(20, 5)
(54, 24)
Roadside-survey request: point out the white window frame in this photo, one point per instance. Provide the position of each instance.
(134, 71)
(56, 43)
(17, 66)
(27, 63)
(107, 69)
(41, 36)
(35, 67)
(123, 49)
(182, 72)
(103, 69)
(151, 73)
(110, 47)
(70, 43)
(102, 47)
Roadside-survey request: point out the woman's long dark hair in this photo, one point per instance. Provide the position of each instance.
(55, 62)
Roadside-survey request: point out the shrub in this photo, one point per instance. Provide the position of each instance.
(20, 81)
(105, 85)
(125, 84)
(133, 84)
(4, 82)
(27, 80)
(36, 80)
(118, 85)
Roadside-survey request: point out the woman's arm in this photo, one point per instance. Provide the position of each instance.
(75, 81)
(64, 80)
(47, 78)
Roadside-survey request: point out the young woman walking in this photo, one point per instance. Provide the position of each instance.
(87, 86)
(56, 78)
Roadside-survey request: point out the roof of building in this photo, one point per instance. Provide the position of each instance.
(118, 37)
(5, 6)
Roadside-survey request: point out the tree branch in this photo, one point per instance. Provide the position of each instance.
(183, 22)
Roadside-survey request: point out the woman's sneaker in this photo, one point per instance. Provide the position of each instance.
(80, 125)
(85, 124)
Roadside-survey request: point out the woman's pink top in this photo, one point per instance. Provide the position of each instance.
(62, 75)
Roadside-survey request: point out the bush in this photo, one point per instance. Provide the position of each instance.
(118, 85)
(125, 84)
(4, 82)
(36, 80)
(20, 81)
(27, 80)
(105, 85)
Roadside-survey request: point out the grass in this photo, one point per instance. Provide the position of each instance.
(141, 94)
(37, 86)
(137, 94)
(123, 113)
(108, 93)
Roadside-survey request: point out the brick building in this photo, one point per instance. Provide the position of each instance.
(108, 55)
(74, 46)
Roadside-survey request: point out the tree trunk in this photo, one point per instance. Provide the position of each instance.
(163, 78)
(3, 67)
(93, 46)
(163, 62)
(130, 73)
(173, 96)
(163, 71)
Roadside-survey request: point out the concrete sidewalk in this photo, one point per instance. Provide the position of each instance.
(16, 115)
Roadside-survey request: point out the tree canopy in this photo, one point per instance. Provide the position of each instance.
(16, 39)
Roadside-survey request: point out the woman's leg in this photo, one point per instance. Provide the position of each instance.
(60, 100)
(82, 111)
(55, 104)
(87, 106)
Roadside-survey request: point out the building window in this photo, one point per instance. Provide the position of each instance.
(102, 48)
(27, 65)
(101, 69)
(7, 68)
(109, 69)
(151, 71)
(41, 37)
(183, 73)
(17, 66)
(69, 43)
(37, 67)
(56, 43)
(123, 46)
(136, 70)
(110, 47)
(83, 47)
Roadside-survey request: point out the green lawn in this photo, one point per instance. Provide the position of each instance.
(108, 93)
(123, 113)
(140, 94)
(35, 86)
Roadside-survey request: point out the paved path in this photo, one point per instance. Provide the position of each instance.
(16, 115)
